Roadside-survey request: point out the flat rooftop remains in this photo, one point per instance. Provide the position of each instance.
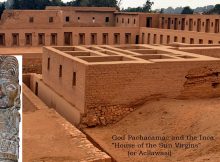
(122, 54)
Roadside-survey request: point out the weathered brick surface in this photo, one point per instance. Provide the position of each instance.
(88, 20)
(32, 65)
(103, 115)
(107, 88)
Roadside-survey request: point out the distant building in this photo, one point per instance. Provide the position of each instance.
(102, 25)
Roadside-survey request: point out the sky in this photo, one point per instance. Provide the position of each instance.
(173, 3)
(166, 3)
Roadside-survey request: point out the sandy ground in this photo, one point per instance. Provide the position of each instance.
(45, 140)
(166, 117)
(47, 137)
(18, 50)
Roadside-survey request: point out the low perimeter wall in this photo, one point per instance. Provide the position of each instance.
(113, 91)
(32, 103)
(53, 100)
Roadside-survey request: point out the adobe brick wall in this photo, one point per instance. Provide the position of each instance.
(108, 87)
(155, 19)
(17, 22)
(19, 19)
(75, 31)
(83, 16)
(212, 52)
(63, 86)
(34, 31)
(127, 20)
(155, 36)
(31, 61)
(100, 30)
(193, 18)
(54, 100)
(113, 91)
(32, 65)
(109, 83)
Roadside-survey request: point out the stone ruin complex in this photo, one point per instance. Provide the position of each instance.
(67, 26)
(87, 84)
(99, 65)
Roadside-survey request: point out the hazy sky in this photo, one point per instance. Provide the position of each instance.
(166, 3)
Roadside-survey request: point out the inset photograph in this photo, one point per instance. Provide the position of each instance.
(110, 81)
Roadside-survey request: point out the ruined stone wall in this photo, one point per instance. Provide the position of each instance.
(113, 91)
(23, 19)
(107, 88)
(32, 65)
(26, 79)
(206, 79)
(54, 100)
(104, 114)
(63, 85)
(212, 52)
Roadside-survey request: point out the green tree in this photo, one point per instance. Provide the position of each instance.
(93, 3)
(34, 4)
(74, 3)
(16, 4)
(215, 10)
(161, 10)
(187, 10)
(2, 8)
(56, 3)
(147, 6)
(137, 9)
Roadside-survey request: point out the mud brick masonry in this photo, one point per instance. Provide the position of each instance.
(99, 85)
(123, 60)
(95, 65)
(28, 31)
(101, 25)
